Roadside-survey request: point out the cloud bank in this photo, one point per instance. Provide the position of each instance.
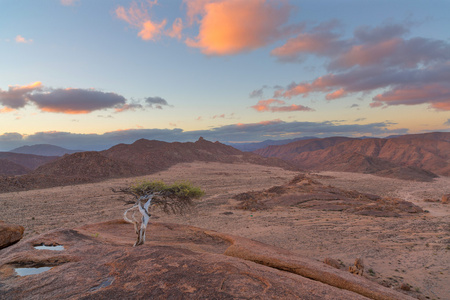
(274, 129)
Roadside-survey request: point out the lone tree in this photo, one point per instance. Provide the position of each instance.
(176, 198)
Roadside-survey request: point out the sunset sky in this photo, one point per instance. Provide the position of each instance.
(87, 75)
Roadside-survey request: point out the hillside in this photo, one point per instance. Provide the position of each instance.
(44, 150)
(26, 161)
(8, 167)
(89, 164)
(409, 156)
(140, 158)
(248, 147)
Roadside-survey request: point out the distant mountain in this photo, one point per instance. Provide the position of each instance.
(44, 150)
(409, 156)
(26, 161)
(140, 158)
(249, 147)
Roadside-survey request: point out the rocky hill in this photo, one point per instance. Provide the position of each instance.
(8, 167)
(409, 157)
(18, 164)
(140, 158)
(88, 164)
(44, 150)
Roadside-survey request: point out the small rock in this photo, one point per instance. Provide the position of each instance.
(430, 200)
(332, 262)
(10, 234)
(405, 287)
(227, 213)
(446, 199)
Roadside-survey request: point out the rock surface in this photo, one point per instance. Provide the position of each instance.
(305, 192)
(10, 234)
(177, 262)
(446, 199)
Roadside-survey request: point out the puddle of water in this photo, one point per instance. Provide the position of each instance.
(31, 271)
(107, 282)
(53, 248)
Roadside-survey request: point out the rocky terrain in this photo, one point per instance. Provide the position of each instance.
(140, 158)
(98, 262)
(406, 252)
(305, 192)
(18, 164)
(412, 157)
(10, 168)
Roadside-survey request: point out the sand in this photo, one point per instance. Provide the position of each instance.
(411, 250)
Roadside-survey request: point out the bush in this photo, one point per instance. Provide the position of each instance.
(182, 189)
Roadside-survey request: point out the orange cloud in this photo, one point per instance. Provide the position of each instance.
(6, 110)
(336, 94)
(268, 105)
(139, 17)
(234, 26)
(151, 30)
(65, 110)
(264, 105)
(177, 27)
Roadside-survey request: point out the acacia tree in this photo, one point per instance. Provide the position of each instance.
(176, 198)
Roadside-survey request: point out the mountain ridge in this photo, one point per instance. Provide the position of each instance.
(143, 157)
(419, 155)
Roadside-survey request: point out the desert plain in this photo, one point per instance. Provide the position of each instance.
(407, 252)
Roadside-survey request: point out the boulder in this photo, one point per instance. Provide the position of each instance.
(10, 234)
(176, 262)
(446, 199)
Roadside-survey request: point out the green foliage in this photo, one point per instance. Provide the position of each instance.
(182, 190)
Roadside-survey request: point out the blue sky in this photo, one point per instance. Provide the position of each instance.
(90, 74)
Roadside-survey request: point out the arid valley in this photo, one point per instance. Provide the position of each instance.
(412, 249)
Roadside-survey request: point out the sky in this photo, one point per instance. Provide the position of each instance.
(87, 75)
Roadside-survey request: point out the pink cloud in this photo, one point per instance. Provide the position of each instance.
(336, 94)
(437, 95)
(274, 105)
(306, 43)
(409, 71)
(235, 26)
(139, 17)
(177, 28)
(20, 39)
(368, 54)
